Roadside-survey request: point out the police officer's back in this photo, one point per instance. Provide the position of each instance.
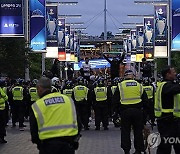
(53, 121)
(131, 96)
(81, 97)
(100, 104)
(67, 88)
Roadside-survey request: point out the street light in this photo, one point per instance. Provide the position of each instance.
(70, 16)
(139, 15)
(75, 23)
(63, 3)
(151, 2)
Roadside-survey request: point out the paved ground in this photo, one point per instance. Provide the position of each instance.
(92, 142)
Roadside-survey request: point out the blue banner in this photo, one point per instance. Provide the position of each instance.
(51, 25)
(67, 38)
(160, 31)
(11, 18)
(61, 33)
(149, 37)
(37, 25)
(175, 25)
(140, 39)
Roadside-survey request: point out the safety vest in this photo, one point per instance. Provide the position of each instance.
(56, 116)
(80, 93)
(17, 93)
(158, 103)
(149, 91)
(5, 90)
(33, 94)
(68, 92)
(130, 92)
(3, 99)
(101, 93)
(113, 89)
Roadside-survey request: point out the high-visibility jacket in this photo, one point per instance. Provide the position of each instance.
(5, 90)
(130, 92)
(80, 93)
(56, 116)
(33, 93)
(113, 89)
(158, 103)
(68, 92)
(149, 91)
(100, 93)
(17, 92)
(3, 99)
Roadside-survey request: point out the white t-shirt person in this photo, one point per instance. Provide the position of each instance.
(86, 67)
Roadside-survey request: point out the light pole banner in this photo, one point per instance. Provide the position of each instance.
(11, 18)
(76, 44)
(149, 38)
(61, 33)
(51, 25)
(175, 25)
(133, 45)
(37, 25)
(161, 35)
(140, 43)
(67, 38)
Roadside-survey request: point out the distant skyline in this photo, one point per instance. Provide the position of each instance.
(117, 14)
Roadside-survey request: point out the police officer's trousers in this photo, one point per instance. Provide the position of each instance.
(2, 124)
(169, 128)
(56, 147)
(132, 118)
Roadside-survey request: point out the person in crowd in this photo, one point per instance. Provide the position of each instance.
(146, 69)
(18, 108)
(53, 121)
(132, 99)
(167, 111)
(115, 62)
(86, 69)
(82, 96)
(100, 104)
(3, 99)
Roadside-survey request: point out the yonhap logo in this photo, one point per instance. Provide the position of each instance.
(154, 140)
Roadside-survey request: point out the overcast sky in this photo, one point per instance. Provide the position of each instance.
(118, 11)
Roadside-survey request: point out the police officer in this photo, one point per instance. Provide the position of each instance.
(100, 104)
(3, 99)
(81, 97)
(167, 111)
(33, 92)
(55, 85)
(18, 109)
(131, 96)
(68, 88)
(149, 89)
(53, 122)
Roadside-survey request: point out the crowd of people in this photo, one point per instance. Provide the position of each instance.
(59, 110)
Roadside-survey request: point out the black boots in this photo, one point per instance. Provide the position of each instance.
(2, 140)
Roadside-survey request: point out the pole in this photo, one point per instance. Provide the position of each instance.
(155, 69)
(26, 5)
(169, 32)
(43, 62)
(139, 70)
(105, 26)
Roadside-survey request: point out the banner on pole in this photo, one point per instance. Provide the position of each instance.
(175, 25)
(160, 49)
(11, 18)
(140, 43)
(67, 38)
(51, 25)
(149, 38)
(37, 25)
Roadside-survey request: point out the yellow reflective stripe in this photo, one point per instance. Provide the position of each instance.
(167, 110)
(73, 111)
(57, 127)
(121, 91)
(141, 90)
(159, 97)
(38, 111)
(176, 104)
